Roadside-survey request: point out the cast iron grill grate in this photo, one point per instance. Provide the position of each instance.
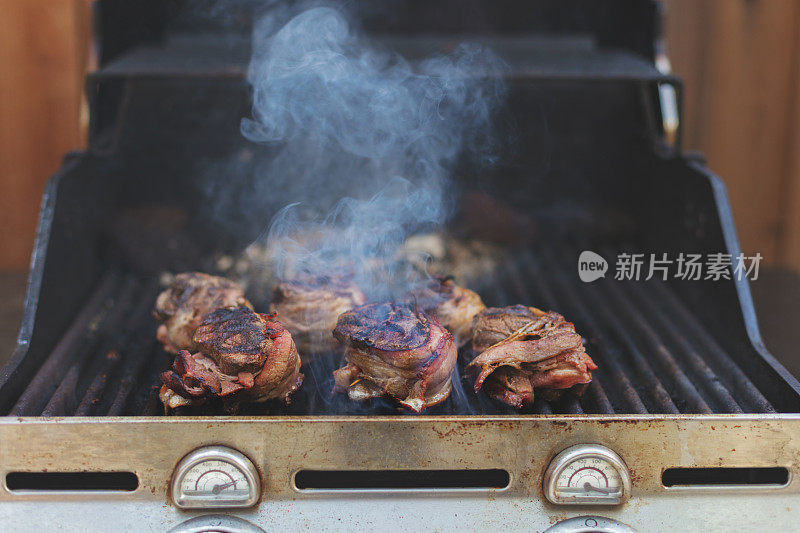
(653, 355)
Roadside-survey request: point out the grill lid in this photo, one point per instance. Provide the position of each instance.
(618, 24)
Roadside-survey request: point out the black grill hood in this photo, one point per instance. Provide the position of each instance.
(630, 25)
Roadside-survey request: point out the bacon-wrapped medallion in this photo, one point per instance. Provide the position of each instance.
(243, 356)
(309, 307)
(188, 299)
(521, 349)
(454, 306)
(392, 350)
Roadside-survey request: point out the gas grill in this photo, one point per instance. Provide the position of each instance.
(688, 408)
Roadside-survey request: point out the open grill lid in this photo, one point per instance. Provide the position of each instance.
(152, 52)
(621, 24)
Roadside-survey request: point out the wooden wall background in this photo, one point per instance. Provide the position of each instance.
(740, 60)
(43, 55)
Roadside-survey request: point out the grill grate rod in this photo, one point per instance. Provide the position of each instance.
(704, 377)
(134, 366)
(64, 399)
(698, 369)
(608, 352)
(146, 401)
(133, 328)
(77, 336)
(636, 368)
(642, 371)
(659, 353)
(641, 339)
(568, 404)
(98, 385)
(596, 396)
(723, 364)
(542, 407)
(670, 381)
(599, 400)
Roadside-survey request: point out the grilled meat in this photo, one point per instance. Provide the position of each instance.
(284, 256)
(242, 356)
(309, 307)
(452, 305)
(468, 260)
(188, 299)
(392, 350)
(523, 349)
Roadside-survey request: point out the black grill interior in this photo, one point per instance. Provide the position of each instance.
(168, 182)
(653, 355)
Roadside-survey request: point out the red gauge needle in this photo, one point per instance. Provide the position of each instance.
(219, 488)
(589, 487)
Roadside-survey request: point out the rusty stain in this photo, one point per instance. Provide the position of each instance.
(448, 433)
(635, 477)
(437, 443)
(613, 421)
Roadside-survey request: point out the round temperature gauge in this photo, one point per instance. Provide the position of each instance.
(587, 474)
(215, 477)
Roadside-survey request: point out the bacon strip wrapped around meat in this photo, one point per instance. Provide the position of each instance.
(182, 306)
(243, 356)
(454, 306)
(392, 350)
(309, 307)
(523, 349)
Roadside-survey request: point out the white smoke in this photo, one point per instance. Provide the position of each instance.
(362, 141)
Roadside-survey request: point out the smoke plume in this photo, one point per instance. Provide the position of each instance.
(363, 141)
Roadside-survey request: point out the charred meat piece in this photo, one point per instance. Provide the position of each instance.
(452, 305)
(523, 349)
(243, 356)
(188, 299)
(392, 350)
(195, 378)
(309, 307)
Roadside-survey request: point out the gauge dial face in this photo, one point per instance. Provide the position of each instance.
(215, 477)
(588, 475)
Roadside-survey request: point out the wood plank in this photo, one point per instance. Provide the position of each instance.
(738, 116)
(687, 47)
(41, 82)
(790, 209)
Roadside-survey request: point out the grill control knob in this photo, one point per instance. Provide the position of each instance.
(215, 477)
(590, 524)
(216, 524)
(587, 474)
